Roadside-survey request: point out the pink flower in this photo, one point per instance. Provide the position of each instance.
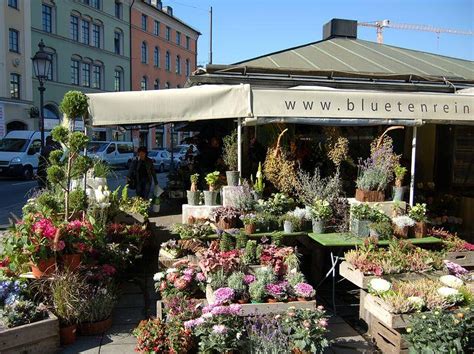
(181, 283)
(249, 278)
(223, 295)
(189, 271)
(45, 228)
(58, 247)
(80, 247)
(323, 322)
(200, 277)
(219, 329)
(304, 290)
(468, 246)
(74, 225)
(187, 277)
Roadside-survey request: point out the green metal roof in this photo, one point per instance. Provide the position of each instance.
(356, 56)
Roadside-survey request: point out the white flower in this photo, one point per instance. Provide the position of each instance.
(238, 335)
(416, 301)
(171, 270)
(379, 285)
(449, 293)
(451, 281)
(207, 315)
(403, 221)
(158, 276)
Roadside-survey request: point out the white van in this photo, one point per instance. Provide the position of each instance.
(115, 153)
(19, 152)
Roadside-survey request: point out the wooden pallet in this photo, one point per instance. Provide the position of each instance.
(389, 340)
(464, 259)
(379, 310)
(356, 277)
(38, 337)
(364, 315)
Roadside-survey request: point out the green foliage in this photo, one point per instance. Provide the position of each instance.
(101, 168)
(81, 166)
(194, 178)
(293, 219)
(418, 212)
(259, 185)
(188, 231)
(218, 279)
(277, 239)
(294, 278)
(55, 157)
(125, 193)
(99, 303)
(67, 294)
(74, 104)
(250, 253)
(383, 229)
(135, 205)
(23, 312)
(241, 240)
(78, 200)
(56, 174)
(400, 172)
(365, 212)
(212, 178)
(60, 134)
(257, 291)
(321, 210)
(236, 282)
(229, 153)
(77, 141)
(227, 242)
(278, 204)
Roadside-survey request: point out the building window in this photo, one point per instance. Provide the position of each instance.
(15, 86)
(118, 42)
(159, 137)
(188, 68)
(74, 28)
(156, 86)
(156, 57)
(168, 33)
(178, 38)
(188, 42)
(96, 29)
(52, 55)
(178, 65)
(47, 18)
(118, 9)
(144, 83)
(95, 3)
(75, 72)
(167, 85)
(144, 22)
(13, 40)
(168, 61)
(86, 74)
(13, 3)
(156, 28)
(144, 53)
(118, 80)
(97, 76)
(86, 32)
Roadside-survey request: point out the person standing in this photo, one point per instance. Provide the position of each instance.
(142, 173)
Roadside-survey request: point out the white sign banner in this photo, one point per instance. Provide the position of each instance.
(2, 121)
(362, 104)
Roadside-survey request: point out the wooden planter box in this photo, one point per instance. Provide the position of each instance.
(379, 310)
(369, 196)
(363, 313)
(464, 259)
(39, 337)
(388, 340)
(356, 277)
(129, 218)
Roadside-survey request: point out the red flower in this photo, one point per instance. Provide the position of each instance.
(5, 262)
(109, 270)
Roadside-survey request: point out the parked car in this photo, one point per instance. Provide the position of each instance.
(19, 152)
(115, 153)
(162, 160)
(180, 152)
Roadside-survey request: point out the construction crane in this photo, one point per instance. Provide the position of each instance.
(380, 25)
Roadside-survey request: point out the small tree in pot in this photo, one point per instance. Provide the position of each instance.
(193, 194)
(229, 155)
(399, 189)
(418, 214)
(210, 196)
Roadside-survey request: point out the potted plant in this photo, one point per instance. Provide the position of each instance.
(75, 237)
(418, 214)
(258, 184)
(381, 229)
(210, 196)
(291, 223)
(362, 215)
(320, 211)
(193, 194)
(236, 283)
(225, 217)
(277, 292)
(156, 204)
(229, 155)
(304, 291)
(257, 292)
(250, 223)
(402, 225)
(399, 189)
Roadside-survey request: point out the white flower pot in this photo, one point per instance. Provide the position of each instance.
(287, 227)
(156, 208)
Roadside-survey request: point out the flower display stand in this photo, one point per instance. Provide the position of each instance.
(463, 258)
(230, 195)
(197, 212)
(388, 340)
(380, 311)
(363, 313)
(38, 337)
(356, 277)
(387, 207)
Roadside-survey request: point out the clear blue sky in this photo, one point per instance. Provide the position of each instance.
(248, 28)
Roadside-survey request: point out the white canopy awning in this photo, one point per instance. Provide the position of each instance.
(260, 105)
(195, 103)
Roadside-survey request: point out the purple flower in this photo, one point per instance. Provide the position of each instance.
(189, 271)
(276, 290)
(304, 290)
(235, 309)
(249, 278)
(219, 329)
(200, 277)
(455, 269)
(223, 295)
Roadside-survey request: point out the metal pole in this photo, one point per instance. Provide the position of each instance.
(172, 147)
(239, 144)
(412, 169)
(41, 90)
(210, 35)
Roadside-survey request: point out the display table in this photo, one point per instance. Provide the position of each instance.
(386, 207)
(349, 240)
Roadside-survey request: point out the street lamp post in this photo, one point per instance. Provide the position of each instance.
(42, 67)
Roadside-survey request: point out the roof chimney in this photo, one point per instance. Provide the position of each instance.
(168, 10)
(340, 28)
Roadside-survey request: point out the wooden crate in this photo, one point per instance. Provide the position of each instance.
(379, 310)
(364, 315)
(388, 340)
(356, 277)
(38, 337)
(464, 259)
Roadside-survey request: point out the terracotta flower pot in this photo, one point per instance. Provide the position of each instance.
(250, 229)
(420, 229)
(272, 300)
(95, 328)
(292, 299)
(72, 261)
(302, 299)
(226, 224)
(369, 196)
(44, 267)
(243, 301)
(68, 334)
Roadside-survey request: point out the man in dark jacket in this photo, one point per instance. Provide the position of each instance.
(142, 173)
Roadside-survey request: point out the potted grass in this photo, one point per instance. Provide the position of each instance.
(418, 214)
(229, 155)
(291, 223)
(320, 212)
(399, 189)
(193, 194)
(210, 196)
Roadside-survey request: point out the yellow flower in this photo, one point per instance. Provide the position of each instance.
(408, 330)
